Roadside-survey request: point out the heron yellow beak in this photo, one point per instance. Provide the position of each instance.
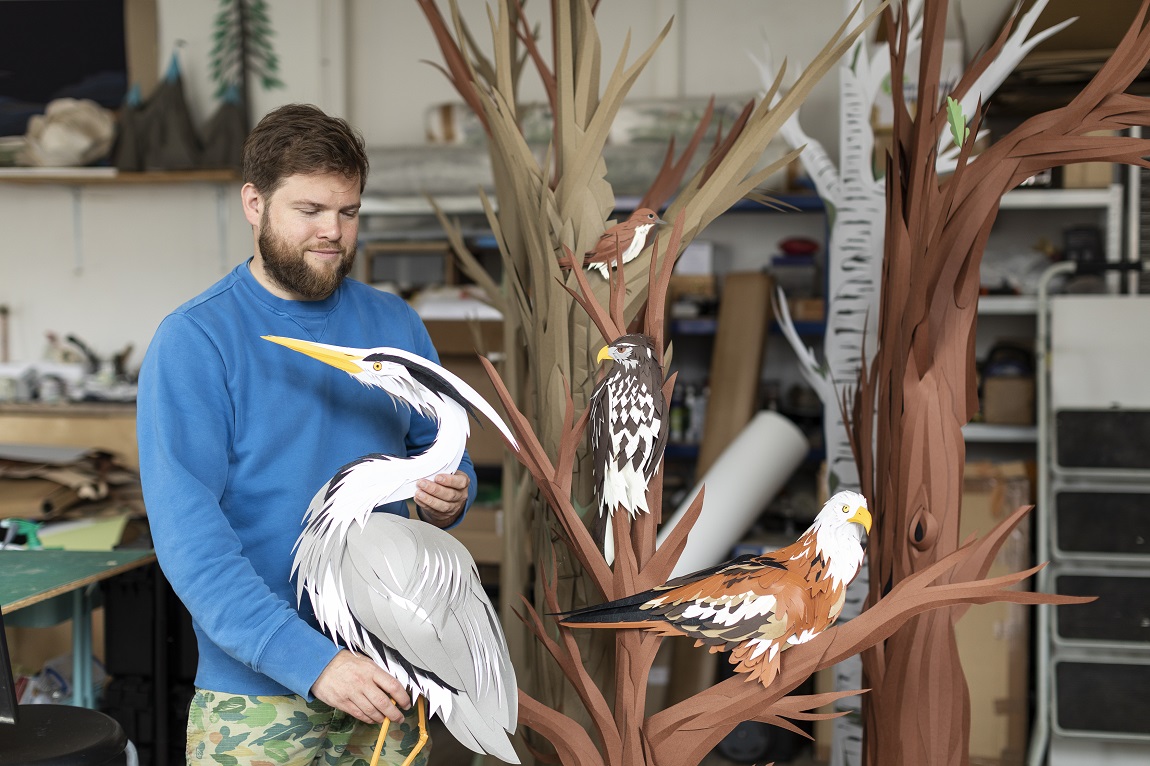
(341, 360)
(862, 516)
(604, 355)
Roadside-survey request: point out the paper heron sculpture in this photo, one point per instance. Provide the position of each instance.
(754, 606)
(628, 424)
(400, 591)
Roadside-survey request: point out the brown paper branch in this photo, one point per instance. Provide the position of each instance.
(459, 70)
(568, 657)
(659, 283)
(618, 288)
(527, 37)
(671, 173)
(723, 145)
(797, 707)
(533, 457)
(578, 747)
(585, 297)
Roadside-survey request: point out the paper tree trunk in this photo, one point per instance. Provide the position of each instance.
(856, 194)
(912, 402)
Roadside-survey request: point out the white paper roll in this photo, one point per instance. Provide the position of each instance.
(740, 484)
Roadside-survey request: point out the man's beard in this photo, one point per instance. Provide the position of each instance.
(287, 267)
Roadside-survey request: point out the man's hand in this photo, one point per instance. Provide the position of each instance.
(442, 498)
(360, 688)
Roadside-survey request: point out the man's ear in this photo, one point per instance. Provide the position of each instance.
(253, 203)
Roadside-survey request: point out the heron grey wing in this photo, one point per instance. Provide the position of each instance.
(499, 659)
(469, 612)
(383, 569)
(434, 613)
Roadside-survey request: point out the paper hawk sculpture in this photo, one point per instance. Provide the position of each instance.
(626, 239)
(629, 424)
(753, 606)
(401, 591)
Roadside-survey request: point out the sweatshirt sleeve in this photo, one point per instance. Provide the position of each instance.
(423, 430)
(185, 423)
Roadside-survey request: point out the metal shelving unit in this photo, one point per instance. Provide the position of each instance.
(1093, 660)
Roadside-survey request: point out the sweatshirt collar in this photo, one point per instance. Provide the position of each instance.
(285, 305)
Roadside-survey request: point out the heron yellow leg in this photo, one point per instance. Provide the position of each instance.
(422, 733)
(379, 741)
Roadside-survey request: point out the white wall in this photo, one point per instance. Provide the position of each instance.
(140, 252)
(146, 249)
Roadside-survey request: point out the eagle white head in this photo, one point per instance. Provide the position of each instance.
(839, 530)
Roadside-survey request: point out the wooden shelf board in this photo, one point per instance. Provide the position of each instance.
(93, 176)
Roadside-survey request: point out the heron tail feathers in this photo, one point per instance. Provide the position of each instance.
(478, 732)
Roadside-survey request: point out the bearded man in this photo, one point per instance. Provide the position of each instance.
(233, 446)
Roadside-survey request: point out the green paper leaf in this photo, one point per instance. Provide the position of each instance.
(958, 129)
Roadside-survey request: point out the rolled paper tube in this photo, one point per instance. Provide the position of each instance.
(740, 484)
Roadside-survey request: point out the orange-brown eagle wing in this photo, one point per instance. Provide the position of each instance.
(756, 609)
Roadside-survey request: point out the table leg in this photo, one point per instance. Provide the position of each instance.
(82, 649)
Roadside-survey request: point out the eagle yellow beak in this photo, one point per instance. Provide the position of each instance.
(862, 516)
(341, 360)
(604, 355)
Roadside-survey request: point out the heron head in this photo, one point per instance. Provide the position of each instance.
(401, 374)
(418, 382)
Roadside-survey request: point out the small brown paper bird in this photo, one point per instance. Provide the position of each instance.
(754, 606)
(626, 239)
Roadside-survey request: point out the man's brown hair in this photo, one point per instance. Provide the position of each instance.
(300, 139)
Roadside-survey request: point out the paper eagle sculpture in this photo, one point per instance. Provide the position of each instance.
(401, 591)
(753, 606)
(628, 424)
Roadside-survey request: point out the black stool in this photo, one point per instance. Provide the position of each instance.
(54, 735)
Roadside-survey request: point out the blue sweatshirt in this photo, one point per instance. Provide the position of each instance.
(236, 434)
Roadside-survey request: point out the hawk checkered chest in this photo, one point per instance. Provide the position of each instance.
(628, 423)
(754, 606)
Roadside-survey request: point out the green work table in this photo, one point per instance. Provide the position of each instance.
(48, 586)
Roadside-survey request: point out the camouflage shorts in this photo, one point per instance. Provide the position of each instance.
(234, 730)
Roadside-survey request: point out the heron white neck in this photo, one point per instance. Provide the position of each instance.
(445, 453)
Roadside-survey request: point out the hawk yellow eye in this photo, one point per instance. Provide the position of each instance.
(379, 366)
(846, 509)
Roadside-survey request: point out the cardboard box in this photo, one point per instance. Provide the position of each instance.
(807, 309)
(698, 285)
(993, 639)
(1008, 400)
(482, 532)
